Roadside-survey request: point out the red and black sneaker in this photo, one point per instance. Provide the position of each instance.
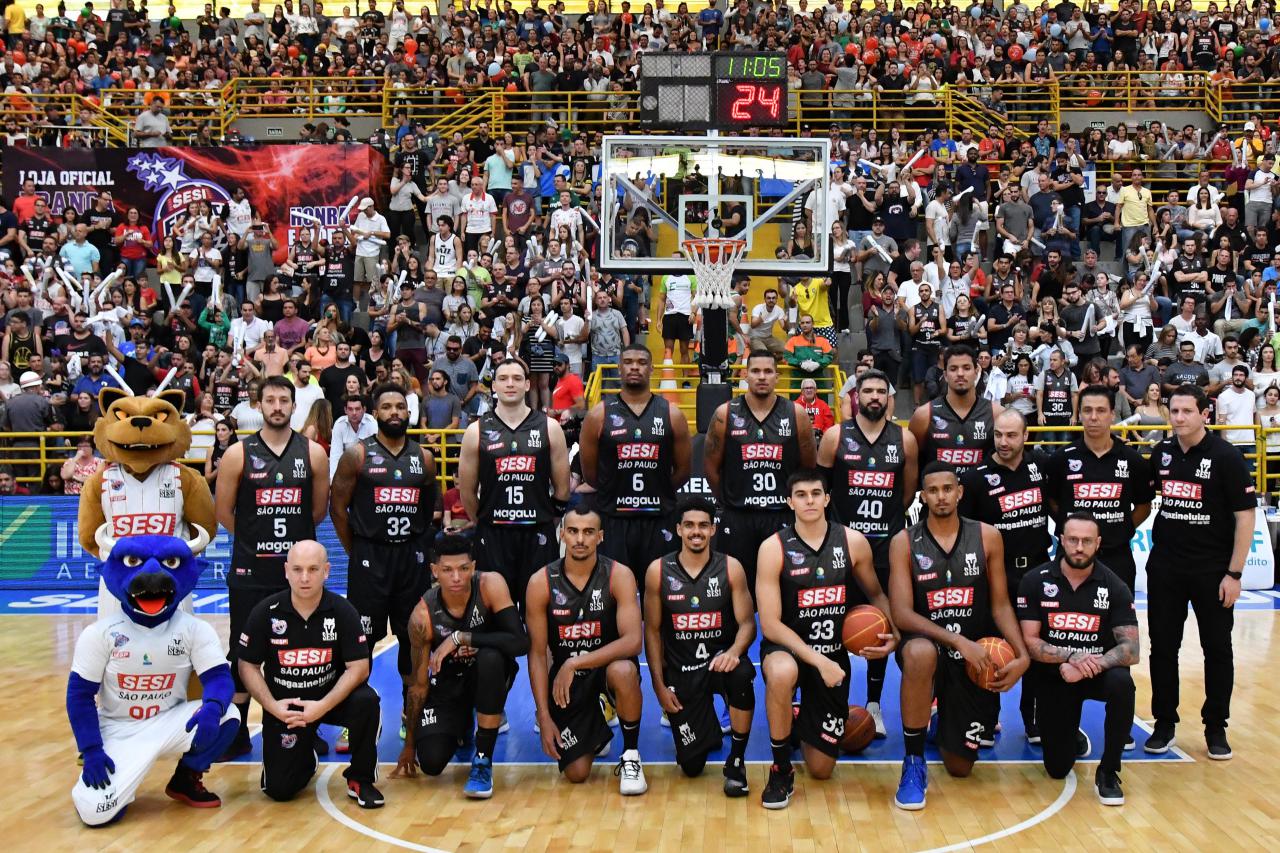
(365, 795)
(187, 786)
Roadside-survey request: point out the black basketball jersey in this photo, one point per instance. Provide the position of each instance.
(1057, 398)
(697, 613)
(443, 623)
(515, 471)
(579, 620)
(304, 255)
(950, 587)
(636, 458)
(273, 511)
(814, 587)
(226, 393)
(866, 485)
(394, 498)
(930, 319)
(759, 455)
(964, 443)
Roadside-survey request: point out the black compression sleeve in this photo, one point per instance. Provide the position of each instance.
(510, 638)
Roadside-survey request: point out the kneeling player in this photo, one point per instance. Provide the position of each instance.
(466, 636)
(946, 583)
(700, 625)
(802, 591)
(584, 609)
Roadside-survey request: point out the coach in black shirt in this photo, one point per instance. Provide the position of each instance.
(1200, 541)
(304, 657)
(1081, 630)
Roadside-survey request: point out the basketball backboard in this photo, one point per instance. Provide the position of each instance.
(660, 190)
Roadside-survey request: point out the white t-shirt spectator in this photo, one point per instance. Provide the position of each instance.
(303, 400)
(768, 320)
(478, 210)
(368, 246)
(1237, 407)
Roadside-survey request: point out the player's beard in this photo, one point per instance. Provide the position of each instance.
(393, 429)
(873, 412)
(1078, 564)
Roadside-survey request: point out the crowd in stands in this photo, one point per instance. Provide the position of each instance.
(487, 244)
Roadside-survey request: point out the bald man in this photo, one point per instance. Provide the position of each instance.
(304, 657)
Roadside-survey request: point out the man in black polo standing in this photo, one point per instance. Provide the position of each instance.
(1200, 541)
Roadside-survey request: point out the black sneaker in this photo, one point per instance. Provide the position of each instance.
(321, 746)
(1033, 733)
(187, 786)
(1130, 743)
(735, 778)
(777, 793)
(1159, 741)
(1216, 740)
(365, 795)
(1108, 785)
(242, 745)
(1083, 745)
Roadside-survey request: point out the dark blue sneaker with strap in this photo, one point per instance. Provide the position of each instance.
(480, 783)
(913, 785)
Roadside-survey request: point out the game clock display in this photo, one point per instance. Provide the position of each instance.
(718, 91)
(750, 90)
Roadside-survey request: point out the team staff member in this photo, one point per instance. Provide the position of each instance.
(583, 611)
(755, 442)
(1200, 540)
(806, 573)
(872, 464)
(304, 657)
(273, 489)
(947, 587)
(1080, 629)
(635, 452)
(466, 636)
(513, 478)
(384, 496)
(1100, 474)
(701, 624)
(958, 428)
(1008, 493)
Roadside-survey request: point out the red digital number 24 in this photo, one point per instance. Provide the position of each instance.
(749, 94)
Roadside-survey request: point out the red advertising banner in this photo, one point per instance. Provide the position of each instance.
(287, 185)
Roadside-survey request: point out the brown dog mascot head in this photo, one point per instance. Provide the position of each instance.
(141, 432)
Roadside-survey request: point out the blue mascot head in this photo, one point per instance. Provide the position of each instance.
(150, 575)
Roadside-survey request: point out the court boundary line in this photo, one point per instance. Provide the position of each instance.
(326, 803)
(1069, 787)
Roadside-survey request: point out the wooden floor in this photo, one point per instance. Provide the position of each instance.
(1188, 806)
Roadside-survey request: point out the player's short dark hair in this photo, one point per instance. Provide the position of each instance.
(695, 503)
(1098, 391)
(1186, 389)
(278, 382)
(445, 220)
(21, 315)
(936, 467)
(635, 347)
(959, 351)
(874, 374)
(451, 544)
(585, 506)
(1081, 515)
(354, 398)
(511, 359)
(387, 388)
(762, 353)
(806, 475)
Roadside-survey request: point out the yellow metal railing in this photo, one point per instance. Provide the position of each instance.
(1132, 91)
(310, 98)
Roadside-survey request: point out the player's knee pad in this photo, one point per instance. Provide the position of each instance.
(281, 789)
(694, 766)
(434, 753)
(1058, 769)
(742, 689)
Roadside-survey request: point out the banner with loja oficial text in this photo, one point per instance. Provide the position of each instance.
(288, 186)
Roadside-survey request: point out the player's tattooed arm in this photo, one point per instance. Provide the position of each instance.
(1043, 652)
(1126, 650)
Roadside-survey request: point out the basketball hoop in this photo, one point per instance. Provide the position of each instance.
(713, 260)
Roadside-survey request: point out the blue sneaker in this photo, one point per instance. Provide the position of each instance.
(480, 783)
(914, 784)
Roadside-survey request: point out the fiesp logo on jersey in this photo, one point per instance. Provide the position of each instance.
(1182, 489)
(1097, 491)
(871, 479)
(821, 596)
(757, 452)
(581, 631)
(145, 683)
(144, 524)
(396, 495)
(521, 464)
(285, 496)
(1086, 622)
(696, 621)
(1017, 500)
(951, 596)
(304, 657)
(638, 450)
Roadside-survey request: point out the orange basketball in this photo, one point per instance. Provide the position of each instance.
(863, 626)
(999, 652)
(859, 730)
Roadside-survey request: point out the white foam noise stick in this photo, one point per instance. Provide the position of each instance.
(346, 211)
(26, 272)
(888, 259)
(117, 377)
(309, 217)
(914, 158)
(168, 377)
(964, 192)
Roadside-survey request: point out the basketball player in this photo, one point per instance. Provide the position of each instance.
(806, 571)
(872, 461)
(946, 586)
(701, 624)
(957, 428)
(445, 250)
(1100, 474)
(513, 478)
(273, 489)
(1200, 540)
(635, 451)
(466, 636)
(1008, 493)
(583, 610)
(755, 442)
(1080, 628)
(384, 496)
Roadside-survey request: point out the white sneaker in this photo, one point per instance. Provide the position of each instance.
(505, 726)
(873, 708)
(631, 774)
(665, 722)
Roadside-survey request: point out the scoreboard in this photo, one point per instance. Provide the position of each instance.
(713, 91)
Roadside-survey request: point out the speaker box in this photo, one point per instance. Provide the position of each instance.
(709, 397)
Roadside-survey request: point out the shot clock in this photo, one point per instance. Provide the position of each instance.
(713, 91)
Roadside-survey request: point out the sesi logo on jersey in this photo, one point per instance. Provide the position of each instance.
(1088, 622)
(638, 450)
(1017, 500)
(1097, 491)
(581, 630)
(960, 455)
(770, 452)
(519, 464)
(696, 621)
(871, 479)
(396, 495)
(145, 683)
(144, 524)
(291, 496)
(304, 657)
(951, 596)
(820, 596)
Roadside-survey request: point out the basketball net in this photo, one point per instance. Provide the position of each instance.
(713, 260)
